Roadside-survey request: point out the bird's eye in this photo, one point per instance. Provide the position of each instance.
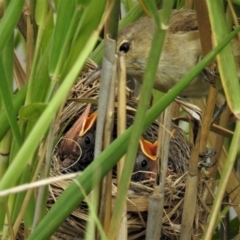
(124, 47)
(87, 140)
(144, 163)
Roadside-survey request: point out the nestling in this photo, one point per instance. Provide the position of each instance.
(181, 51)
(77, 146)
(145, 166)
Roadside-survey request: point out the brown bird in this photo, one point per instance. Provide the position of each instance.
(76, 149)
(181, 51)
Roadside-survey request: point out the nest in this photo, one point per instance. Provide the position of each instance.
(139, 192)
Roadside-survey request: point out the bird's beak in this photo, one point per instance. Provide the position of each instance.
(148, 148)
(87, 123)
(78, 125)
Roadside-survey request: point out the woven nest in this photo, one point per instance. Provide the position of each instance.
(143, 182)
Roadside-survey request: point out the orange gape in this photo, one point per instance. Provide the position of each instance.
(148, 148)
(145, 164)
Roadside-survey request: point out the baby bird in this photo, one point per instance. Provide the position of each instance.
(145, 166)
(76, 149)
(181, 51)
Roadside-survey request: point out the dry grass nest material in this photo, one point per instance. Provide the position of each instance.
(138, 196)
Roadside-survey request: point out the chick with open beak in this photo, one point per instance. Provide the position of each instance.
(76, 149)
(145, 166)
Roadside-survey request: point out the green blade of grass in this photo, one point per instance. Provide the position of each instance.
(43, 28)
(42, 80)
(18, 101)
(64, 18)
(225, 59)
(32, 112)
(9, 21)
(86, 24)
(7, 100)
